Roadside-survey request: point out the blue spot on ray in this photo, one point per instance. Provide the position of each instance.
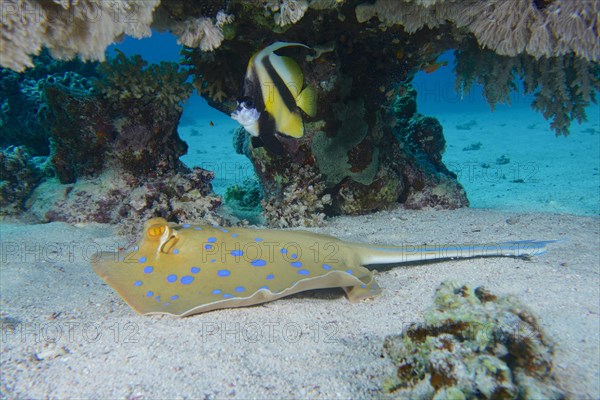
(176, 251)
(157, 298)
(223, 272)
(148, 269)
(185, 226)
(259, 239)
(294, 255)
(304, 272)
(211, 239)
(208, 247)
(234, 235)
(150, 294)
(227, 296)
(174, 297)
(240, 289)
(283, 251)
(197, 228)
(327, 267)
(237, 253)
(349, 271)
(142, 260)
(270, 276)
(258, 263)
(172, 278)
(194, 270)
(137, 283)
(213, 260)
(216, 291)
(363, 286)
(186, 280)
(224, 230)
(296, 264)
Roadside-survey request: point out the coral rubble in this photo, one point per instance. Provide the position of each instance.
(117, 197)
(472, 344)
(19, 176)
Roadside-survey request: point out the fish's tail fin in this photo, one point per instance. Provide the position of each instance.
(415, 253)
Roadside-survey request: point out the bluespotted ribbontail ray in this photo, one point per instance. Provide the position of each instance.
(188, 269)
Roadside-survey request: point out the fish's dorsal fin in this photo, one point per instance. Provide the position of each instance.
(289, 71)
(276, 46)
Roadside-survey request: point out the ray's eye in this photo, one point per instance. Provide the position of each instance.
(156, 231)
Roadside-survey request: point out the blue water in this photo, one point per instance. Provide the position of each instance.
(520, 164)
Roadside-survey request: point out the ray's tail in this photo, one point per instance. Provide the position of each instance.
(415, 253)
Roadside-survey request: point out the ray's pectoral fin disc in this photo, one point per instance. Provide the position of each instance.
(124, 272)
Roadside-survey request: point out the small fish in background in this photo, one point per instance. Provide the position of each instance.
(211, 123)
(274, 95)
(434, 66)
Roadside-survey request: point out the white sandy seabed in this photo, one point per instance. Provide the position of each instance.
(67, 334)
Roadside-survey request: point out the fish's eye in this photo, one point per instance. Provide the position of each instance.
(245, 102)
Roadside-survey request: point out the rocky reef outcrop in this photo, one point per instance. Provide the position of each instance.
(366, 149)
(110, 144)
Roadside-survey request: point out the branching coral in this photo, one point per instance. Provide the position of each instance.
(553, 46)
(125, 79)
(507, 27)
(562, 86)
(215, 73)
(68, 27)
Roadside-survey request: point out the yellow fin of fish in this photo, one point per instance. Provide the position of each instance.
(307, 101)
